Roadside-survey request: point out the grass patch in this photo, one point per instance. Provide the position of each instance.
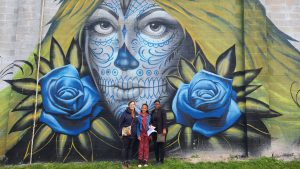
(173, 163)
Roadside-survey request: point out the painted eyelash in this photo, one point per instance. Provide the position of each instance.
(91, 25)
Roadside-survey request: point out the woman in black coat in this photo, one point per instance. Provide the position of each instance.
(159, 121)
(128, 118)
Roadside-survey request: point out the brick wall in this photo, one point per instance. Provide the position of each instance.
(285, 14)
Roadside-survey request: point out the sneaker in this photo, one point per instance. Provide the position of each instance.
(140, 165)
(145, 163)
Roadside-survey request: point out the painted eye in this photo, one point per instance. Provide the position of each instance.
(155, 29)
(104, 27)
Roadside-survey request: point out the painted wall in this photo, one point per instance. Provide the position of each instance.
(224, 72)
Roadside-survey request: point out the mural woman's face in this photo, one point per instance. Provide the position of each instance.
(130, 49)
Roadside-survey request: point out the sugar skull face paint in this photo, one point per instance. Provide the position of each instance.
(130, 48)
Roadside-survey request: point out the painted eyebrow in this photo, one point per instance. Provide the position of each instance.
(109, 11)
(143, 15)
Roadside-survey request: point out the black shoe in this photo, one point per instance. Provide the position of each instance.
(124, 164)
(156, 163)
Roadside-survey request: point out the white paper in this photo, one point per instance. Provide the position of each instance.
(151, 130)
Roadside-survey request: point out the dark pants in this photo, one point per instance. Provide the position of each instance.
(128, 145)
(159, 150)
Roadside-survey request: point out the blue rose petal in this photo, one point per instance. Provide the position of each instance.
(57, 73)
(207, 99)
(65, 126)
(181, 105)
(206, 79)
(49, 103)
(73, 93)
(208, 131)
(181, 118)
(89, 99)
(69, 103)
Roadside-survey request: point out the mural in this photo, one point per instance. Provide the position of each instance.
(224, 80)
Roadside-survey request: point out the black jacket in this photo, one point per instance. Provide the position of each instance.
(127, 120)
(159, 120)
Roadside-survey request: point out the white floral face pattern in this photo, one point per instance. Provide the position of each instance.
(130, 49)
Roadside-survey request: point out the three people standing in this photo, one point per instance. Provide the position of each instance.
(134, 127)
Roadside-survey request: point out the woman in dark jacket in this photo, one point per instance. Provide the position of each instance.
(159, 121)
(128, 118)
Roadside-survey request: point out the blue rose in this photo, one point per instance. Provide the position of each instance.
(206, 103)
(69, 103)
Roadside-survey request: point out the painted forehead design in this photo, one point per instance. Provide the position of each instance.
(137, 7)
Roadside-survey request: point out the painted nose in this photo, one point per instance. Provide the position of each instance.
(125, 61)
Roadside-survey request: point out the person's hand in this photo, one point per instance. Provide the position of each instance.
(139, 138)
(164, 131)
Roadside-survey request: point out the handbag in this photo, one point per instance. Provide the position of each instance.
(161, 138)
(126, 131)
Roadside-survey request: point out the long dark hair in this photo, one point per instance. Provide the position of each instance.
(132, 111)
(147, 107)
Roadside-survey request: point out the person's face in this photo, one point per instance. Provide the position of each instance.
(130, 53)
(157, 105)
(132, 106)
(144, 108)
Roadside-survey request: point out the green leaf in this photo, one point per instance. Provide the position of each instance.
(205, 62)
(42, 138)
(170, 116)
(25, 86)
(63, 146)
(74, 55)
(243, 78)
(84, 68)
(234, 132)
(226, 63)
(251, 88)
(45, 65)
(28, 103)
(257, 126)
(258, 109)
(105, 132)
(25, 122)
(173, 131)
(198, 64)
(186, 70)
(174, 81)
(186, 138)
(219, 143)
(83, 146)
(240, 94)
(57, 57)
(244, 91)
